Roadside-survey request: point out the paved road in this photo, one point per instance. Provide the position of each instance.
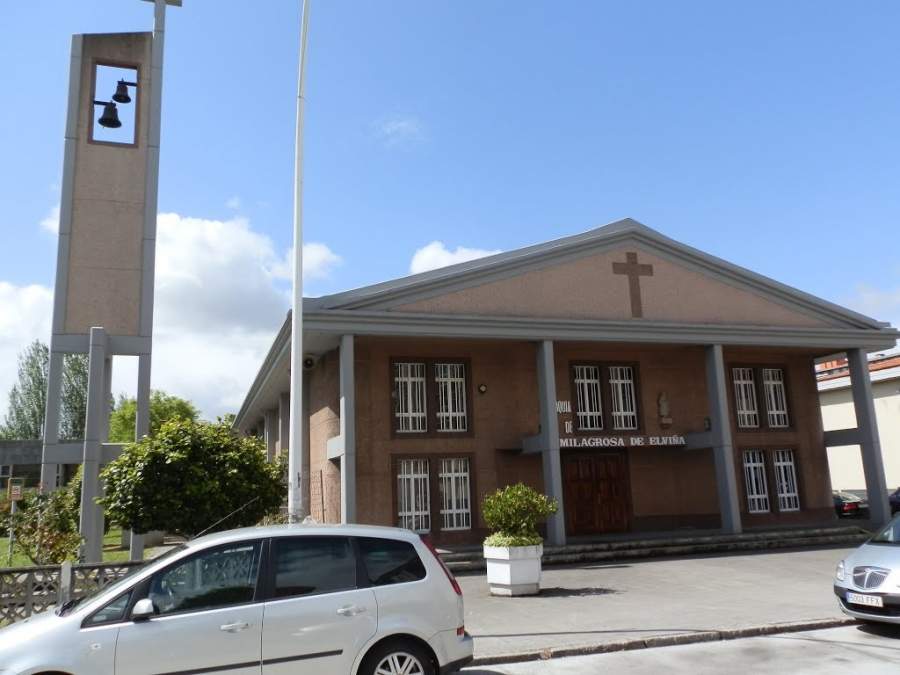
(860, 650)
(593, 603)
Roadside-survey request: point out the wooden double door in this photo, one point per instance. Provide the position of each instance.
(596, 492)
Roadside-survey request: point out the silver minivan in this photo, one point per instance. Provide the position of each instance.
(867, 582)
(330, 600)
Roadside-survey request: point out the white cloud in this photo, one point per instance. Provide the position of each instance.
(51, 222)
(233, 203)
(399, 130)
(881, 304)
(436, 254)
(221, 295)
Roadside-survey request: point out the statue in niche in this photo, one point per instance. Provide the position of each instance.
(662, 405)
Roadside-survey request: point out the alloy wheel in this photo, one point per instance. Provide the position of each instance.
(399, 663)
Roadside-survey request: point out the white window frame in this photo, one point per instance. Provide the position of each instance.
(411, 405)
(450, 382)
(755, 481)
(745, 402)
(456, 496)
(588, 398)
(786, 480)
(623, 400)
(776, 397)
(414, 495)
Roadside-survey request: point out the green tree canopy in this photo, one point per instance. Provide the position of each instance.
(163, 408)
(188, 476)
(28, 396)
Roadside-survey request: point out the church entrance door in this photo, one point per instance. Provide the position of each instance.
(595, 492)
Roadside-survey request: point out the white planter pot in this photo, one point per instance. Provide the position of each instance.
(514, 570)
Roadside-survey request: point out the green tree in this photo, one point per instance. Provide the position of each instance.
(163, 408)
(28, 396)
(190, 475)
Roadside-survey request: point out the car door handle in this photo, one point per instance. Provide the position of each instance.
(350, 610)
(234, 627)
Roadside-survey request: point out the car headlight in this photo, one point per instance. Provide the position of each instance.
(839, 572)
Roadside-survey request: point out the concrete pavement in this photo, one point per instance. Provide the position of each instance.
(856, 649)
(601, 604)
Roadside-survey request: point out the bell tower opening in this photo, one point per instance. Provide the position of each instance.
(116, 91)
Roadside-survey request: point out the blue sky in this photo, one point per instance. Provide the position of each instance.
(762, 132)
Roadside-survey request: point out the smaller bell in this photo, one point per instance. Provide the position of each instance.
(121, 95)
(110, 116)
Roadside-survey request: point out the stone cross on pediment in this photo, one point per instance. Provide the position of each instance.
(634, 271)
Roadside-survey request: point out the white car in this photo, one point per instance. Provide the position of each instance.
(867, 582)
(329, 600)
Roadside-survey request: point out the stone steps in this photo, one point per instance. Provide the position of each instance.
(472, 560)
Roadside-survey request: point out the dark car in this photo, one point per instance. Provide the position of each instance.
(894, 499)
(849, 505)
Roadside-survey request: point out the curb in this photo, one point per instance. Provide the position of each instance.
(661, 641)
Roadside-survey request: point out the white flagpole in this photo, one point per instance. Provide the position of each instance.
(296, 507)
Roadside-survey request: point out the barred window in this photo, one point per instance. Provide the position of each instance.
(589, 412)
(409, 389)
(776, 399)
(755, 479)
(786, 481)
(745, 398)
(450, 380)
(623, 403)
(413, 495)
(456, 512)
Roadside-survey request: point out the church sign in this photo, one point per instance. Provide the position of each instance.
(674, 440)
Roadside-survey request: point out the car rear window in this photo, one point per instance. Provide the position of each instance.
(307, 565)
(388, 561)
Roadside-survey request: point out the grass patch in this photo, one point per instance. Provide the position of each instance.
(112, 551)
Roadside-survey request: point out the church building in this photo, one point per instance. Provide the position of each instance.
(648, 386)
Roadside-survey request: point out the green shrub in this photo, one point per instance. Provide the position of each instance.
(513, 513)
(46, 527)
(188, 477)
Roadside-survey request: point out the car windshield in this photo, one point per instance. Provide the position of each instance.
(69, 605)
(890, 534)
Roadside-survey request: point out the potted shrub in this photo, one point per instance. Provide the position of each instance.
(513, 551)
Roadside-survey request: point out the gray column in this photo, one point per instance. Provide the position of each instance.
(91, 525)
(304, 453)
(722, 442)
(284, 422)
(141, 429)
(348, 431)
(869, 443)
(50, 470)
(270, 432)
(546, 372)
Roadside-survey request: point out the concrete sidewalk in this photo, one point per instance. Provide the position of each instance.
(596, 604)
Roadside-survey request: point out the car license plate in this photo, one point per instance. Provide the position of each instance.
(868, 600)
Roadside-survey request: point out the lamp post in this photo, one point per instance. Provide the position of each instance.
(297, 509)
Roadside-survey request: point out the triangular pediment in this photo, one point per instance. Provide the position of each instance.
(623, 271)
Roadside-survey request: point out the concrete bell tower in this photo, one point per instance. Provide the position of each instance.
(103, 302)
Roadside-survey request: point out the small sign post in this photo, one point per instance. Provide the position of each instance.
(14, 488)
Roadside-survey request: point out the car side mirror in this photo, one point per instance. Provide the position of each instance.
(143, 609)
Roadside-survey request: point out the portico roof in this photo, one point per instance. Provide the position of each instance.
(471, 300)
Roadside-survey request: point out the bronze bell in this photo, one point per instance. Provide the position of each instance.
(110, 116)
(121, 95)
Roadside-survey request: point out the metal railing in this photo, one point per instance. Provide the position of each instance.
(29, 590)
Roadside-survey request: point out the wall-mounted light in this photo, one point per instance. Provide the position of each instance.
(482, 388)
(707, 424)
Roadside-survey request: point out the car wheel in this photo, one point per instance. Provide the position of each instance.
(398, 657)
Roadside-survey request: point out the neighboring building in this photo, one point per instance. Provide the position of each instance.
(645, 384)
(836, 397)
